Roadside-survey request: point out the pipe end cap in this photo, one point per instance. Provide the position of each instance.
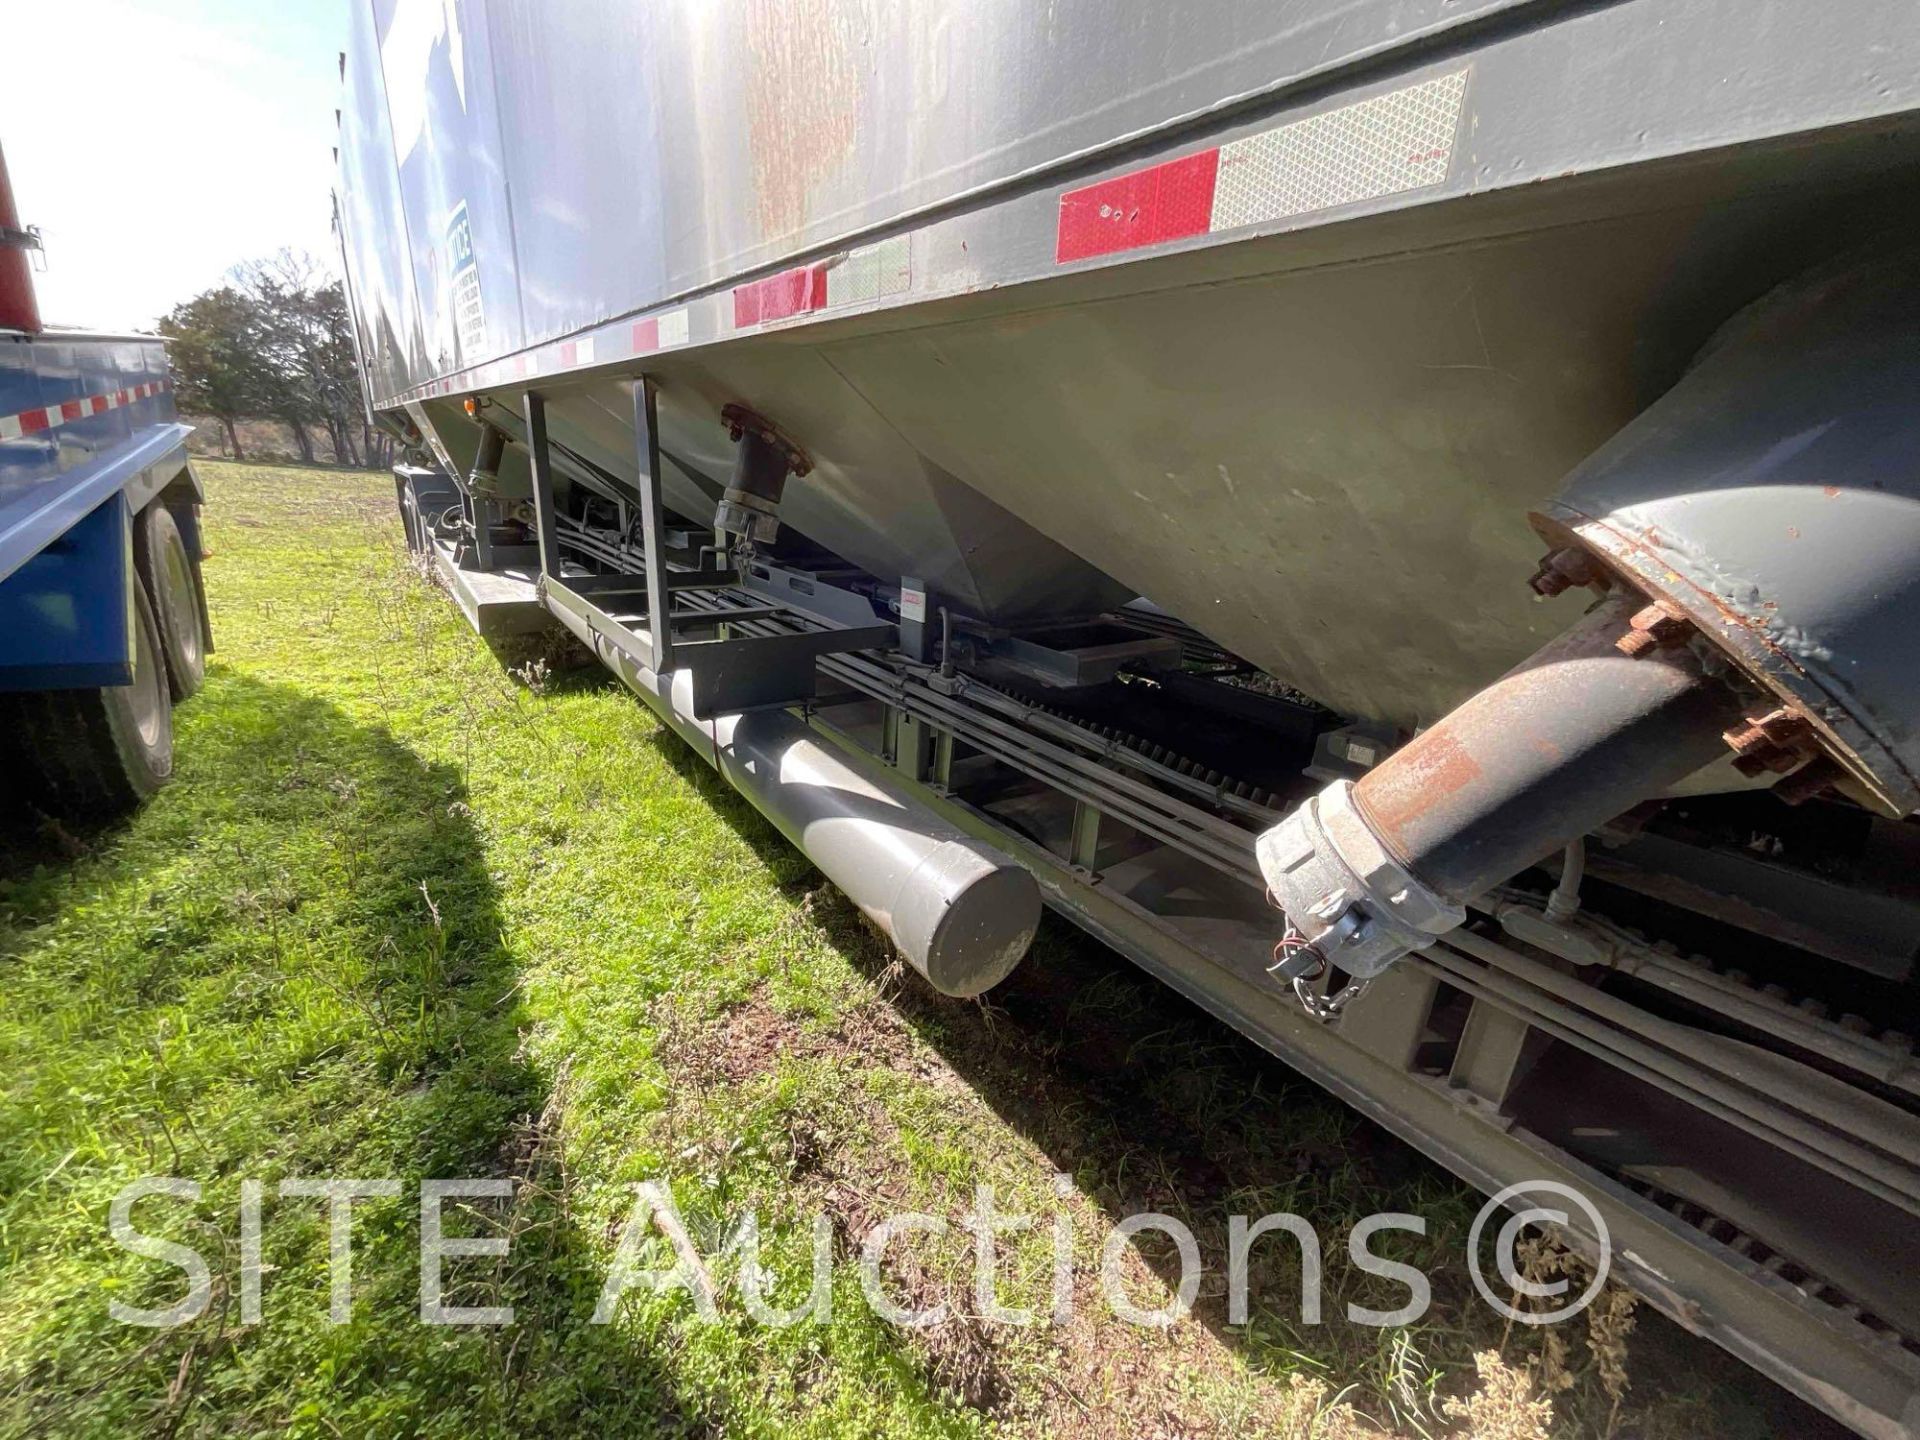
(966, 919)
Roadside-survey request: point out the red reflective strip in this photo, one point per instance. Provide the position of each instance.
(646, 335)
(1163, 202)
(569, 349)
(70, 409)
(99, 403)
(791, 292)
(33, 420)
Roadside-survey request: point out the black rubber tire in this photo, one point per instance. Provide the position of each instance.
(170, 574)
(422, 500)
(98, 752)
(409, 500)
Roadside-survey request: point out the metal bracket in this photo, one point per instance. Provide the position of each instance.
(1084, 848)
(728, 674)
(653, 527)
(540, 459)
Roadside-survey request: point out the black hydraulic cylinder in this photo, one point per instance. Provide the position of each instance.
(486, 462)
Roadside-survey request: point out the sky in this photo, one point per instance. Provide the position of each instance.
(158, 143)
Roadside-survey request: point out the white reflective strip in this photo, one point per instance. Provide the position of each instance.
(672, 328)
(1384, 146)
(871, 273)
(9, 427)
(583, 351)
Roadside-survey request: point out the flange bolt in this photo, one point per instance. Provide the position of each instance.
(1561, 570)
(1776, 741)
(1653, 627)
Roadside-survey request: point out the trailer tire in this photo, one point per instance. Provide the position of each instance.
(168, 574)
(423, 498)
(102, 751)
(410, 521)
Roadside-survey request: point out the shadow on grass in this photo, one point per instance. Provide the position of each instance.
(1152, 1104)
(312, 903)
(312, 859)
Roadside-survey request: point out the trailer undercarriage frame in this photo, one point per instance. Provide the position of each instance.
(1463, 1051)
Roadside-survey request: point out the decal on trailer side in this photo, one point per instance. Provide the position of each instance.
(469, 315)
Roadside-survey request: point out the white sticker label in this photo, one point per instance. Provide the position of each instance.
(913, 605)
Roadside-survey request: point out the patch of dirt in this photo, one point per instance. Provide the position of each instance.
(752, 1037)
(746, 1041)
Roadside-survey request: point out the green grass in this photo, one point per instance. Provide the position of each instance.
(403, 916)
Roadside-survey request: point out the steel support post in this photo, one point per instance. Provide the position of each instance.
(913, 743)
(943, 761)
(1085, 845)
(540, 458)
(646, 431)
(481, 512)
(1496, 1050)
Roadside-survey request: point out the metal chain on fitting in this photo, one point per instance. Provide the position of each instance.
(1295, 960)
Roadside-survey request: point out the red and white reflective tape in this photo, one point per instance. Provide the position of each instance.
(1388, 145)
(861, 276)
(644, 337)
(799, 291)
(660, 332)
(1372, 149)
(32, 422)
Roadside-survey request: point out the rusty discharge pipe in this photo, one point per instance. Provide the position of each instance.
(1580, 732)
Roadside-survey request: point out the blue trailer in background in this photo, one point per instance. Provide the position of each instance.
(103, 622)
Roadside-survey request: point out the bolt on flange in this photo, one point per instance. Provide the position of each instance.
(1813, 779)
(740, 421)
(1560, 570)
(1775, 742)
(1653, 627)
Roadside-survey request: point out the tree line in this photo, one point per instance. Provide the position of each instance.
(275, 343)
